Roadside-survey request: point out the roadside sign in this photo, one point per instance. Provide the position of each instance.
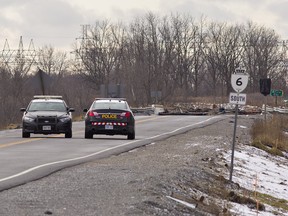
(236, 98)
(275, 92)
(239, 80)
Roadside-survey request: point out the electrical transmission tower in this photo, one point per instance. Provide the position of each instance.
(84, 41)
(18, 58)
(284, 45)
(82, 46)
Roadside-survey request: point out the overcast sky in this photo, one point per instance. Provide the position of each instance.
(58, 22)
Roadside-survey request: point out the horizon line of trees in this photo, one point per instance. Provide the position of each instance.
(178, 56)
(174, 56)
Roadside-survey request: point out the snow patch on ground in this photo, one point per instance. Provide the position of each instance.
(258, 171)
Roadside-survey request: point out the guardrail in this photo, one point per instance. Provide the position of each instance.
(281, 110)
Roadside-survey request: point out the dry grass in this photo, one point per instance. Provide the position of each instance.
(270, 135)
(78, 118)
(10, 126)
(273, 201)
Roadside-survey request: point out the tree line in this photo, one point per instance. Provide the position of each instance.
(157, 59)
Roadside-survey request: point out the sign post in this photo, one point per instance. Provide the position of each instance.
(276, 93)
(265, 88)
(239, 81)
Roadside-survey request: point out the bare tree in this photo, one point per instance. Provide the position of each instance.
(224, 54)
(18, 68)
(145, 45)
(100, 53)
(183, 39)
(168, 64)
(198, 55)
(52, 62)
(261, 53)
(53, 66)
(155, 59)
(5, 97)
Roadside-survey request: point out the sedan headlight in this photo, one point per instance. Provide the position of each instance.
(28, 119)
(65, 119)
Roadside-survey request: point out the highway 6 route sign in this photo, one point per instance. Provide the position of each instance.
(239, 80)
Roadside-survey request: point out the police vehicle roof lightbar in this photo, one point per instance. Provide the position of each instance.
(47, 97)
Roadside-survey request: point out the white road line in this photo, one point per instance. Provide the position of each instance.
(96, 153)
(181, 128)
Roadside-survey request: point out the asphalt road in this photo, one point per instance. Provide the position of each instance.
(25, 160)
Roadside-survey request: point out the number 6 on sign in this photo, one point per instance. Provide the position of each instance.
(239, 82)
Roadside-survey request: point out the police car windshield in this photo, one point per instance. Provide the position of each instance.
(47, 106)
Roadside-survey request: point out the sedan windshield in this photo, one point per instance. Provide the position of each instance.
(47, 106)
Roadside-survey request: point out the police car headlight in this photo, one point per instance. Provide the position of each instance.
(28, 119)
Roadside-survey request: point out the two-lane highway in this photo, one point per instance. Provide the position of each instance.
(23, 160)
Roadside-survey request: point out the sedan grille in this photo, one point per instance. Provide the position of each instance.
(47, 119)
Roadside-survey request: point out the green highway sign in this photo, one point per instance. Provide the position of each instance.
(276, 92)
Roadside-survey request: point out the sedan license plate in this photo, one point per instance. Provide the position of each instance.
(109, 127)
(48, 127)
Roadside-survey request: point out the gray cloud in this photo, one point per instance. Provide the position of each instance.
(279, 9)
(51, 22)
(58, 22)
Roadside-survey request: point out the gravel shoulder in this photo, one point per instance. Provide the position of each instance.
(150, 180)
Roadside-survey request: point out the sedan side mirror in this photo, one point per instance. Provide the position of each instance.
(71, 110)
(23, 109)
(85, 110)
